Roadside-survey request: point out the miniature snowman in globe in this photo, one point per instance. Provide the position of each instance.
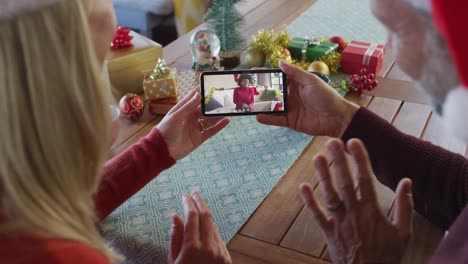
(205, 47)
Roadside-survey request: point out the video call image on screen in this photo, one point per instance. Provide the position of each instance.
(243, 93)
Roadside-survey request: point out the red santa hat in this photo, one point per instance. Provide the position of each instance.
(13, 8)
(450, 18)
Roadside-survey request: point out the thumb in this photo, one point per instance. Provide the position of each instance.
(273, 120)
(176, 238)
(403, 218)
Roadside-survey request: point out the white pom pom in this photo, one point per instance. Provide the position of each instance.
(424, 5)
(455, 112)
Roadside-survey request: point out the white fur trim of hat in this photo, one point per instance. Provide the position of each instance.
(13, 8)
(455, 108)
(424, 5)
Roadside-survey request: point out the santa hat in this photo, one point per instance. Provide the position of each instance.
(450, 18)
(13, 8)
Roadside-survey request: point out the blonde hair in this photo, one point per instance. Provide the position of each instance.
(54, 125)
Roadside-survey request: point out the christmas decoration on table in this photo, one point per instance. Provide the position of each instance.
(273, 45)
(122, 38)
(340, 41)
(310, 48)
(161, 82)
(131, 106)
(359, 55)
(162, 106)
(125, 66)
(319, 66)
(225, 20)
(187, 80)
(359, 82)
(205, 48)
(254, 58)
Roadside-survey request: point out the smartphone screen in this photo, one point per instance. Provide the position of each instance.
(244, 92)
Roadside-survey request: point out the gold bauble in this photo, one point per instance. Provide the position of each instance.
(319, 66)
(254, 58)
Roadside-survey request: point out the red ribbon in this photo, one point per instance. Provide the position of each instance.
(122, 38)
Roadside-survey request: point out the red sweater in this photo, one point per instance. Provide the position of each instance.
(440, 187)
(123, 176)
(243, 95)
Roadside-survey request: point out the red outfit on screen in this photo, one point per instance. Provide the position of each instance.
(243, 95)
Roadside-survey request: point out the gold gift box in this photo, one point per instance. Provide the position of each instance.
(160, 88)
(126, 65)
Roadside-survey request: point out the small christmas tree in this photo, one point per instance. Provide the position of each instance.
(225, 20)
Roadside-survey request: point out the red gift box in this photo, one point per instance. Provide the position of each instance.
(358, 55)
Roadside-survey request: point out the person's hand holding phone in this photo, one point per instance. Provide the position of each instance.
(314, 107)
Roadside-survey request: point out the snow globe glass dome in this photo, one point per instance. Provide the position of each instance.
(205, 48)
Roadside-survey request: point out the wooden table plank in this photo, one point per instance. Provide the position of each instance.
(385, 108)
(279, 209)
(437, 134)
(269, 253)
(412, 118)
(243, 259)
(398, 90)
(397, 74)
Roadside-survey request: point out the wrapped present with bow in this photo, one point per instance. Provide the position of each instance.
(362, 55)
(128, 56)
(310, 49)
(161, 82)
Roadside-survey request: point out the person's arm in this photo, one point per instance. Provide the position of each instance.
(235, 97)
(252, 96)
(438, 175)
(128, 172)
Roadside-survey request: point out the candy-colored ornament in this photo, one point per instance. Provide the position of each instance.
(254, 58)
(319, 66)
(340, 41)
(131, 106)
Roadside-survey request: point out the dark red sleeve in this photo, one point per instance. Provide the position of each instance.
(127, 173)
(438, 175)
(235, 97)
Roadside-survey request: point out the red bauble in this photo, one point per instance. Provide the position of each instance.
(340, 41)
(131, 106)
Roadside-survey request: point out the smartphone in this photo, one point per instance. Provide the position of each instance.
(243, 92)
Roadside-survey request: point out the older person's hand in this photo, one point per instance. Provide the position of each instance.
(198, 239)
(314, 107)
(356, 229)
(184, 129)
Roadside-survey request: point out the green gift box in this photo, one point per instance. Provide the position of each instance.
(312, 49)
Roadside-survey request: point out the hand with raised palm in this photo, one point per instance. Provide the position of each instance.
(197, 240)
(355, 227)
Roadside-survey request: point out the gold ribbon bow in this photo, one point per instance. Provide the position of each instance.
(160, 71)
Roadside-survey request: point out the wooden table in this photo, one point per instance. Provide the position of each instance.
(281, 230)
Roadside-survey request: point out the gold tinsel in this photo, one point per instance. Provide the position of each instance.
(333, 61)
(274, 44)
